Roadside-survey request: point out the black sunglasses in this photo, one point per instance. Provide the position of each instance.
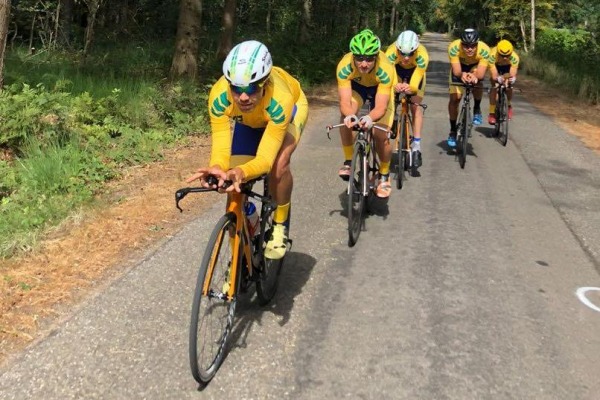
(403, 54)
(364, 58)
(469, 46)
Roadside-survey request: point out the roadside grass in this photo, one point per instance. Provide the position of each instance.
(579, 83)
(70, 126)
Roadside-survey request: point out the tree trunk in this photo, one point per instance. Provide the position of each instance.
(226, 42)
(306, 21)
(523, 34)
(65, 18)
(4, 22)
(393, 18)
(268, 18)
(185, 59)
(93, 6)
(532, 25)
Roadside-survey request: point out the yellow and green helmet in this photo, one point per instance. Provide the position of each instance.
(365, 43)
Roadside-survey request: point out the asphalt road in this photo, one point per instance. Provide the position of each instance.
(463, 286)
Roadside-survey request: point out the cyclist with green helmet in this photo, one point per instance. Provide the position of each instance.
(365, 73)
(504, 63)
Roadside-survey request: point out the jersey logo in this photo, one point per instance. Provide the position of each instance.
(219, 105)
(383, 76)
(484, 53)
(345, 72)
(453, 51)
(392, 57)
(420, 60)
(276, 112)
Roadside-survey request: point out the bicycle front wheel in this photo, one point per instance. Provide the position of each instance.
(502, 122)
(356, 194)
(269, 270)
(402, 145)
(463, 139)
(212, 311)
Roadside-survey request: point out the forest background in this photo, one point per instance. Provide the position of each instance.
(92, 87)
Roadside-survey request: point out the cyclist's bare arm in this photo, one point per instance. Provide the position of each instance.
(346, 105)
(456, 69)
(381, 102)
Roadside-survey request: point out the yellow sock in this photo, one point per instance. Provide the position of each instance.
(348, 152)
(281, 213)
(492, 108)
(384, 168)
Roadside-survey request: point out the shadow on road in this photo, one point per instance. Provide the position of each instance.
(296, 272)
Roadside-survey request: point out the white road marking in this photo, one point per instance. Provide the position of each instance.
(581, 295)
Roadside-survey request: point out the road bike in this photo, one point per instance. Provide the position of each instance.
(464, 124)
(402, 133)
(233, 260)
(501, 128)
(364, 170)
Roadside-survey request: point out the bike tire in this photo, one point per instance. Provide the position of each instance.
(464, 141)
(212, 313)
(498, 114)
(401, 167)
(399, 155)
(503, 122)
(356, 194)
(269, 270)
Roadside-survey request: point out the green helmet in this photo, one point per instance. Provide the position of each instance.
(365, 43)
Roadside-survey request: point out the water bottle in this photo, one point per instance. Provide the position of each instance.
(252, 216)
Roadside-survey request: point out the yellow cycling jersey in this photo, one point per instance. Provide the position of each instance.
(496, 59)
(382, 74)
(273, 113)
(457, 55)
(418, 61)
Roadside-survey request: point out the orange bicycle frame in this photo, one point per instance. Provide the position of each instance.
(235, 205)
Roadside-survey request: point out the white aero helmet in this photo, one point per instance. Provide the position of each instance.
(407, 42)
(247, 62)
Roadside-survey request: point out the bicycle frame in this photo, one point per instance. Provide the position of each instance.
(404, 118)
(241, 239)
(364, 139)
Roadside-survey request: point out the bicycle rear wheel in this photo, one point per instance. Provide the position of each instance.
(269, 270)
(212, 312)
(502, 122)
(356, 194)
(401, 154)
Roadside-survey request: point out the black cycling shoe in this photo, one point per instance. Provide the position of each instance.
(417, 158)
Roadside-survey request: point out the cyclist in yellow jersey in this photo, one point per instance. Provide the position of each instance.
(269, 111)
(411, 59)
(504, 63)
(365, 73)
(469, 61)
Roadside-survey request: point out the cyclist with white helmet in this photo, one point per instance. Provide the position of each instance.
(504, 63)
(365, 73)
(270, 111)
(411, 60)
(469, 62)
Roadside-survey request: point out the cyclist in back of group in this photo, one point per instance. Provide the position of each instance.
(504, 63)
(365, 73)
(411, 59)
(270, 111)
(469, 62)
